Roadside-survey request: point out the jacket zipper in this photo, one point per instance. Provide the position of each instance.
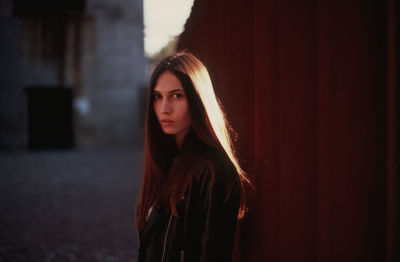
(166, 237)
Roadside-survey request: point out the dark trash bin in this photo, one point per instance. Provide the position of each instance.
(50, 117)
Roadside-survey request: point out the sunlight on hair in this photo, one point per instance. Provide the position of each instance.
(163, 20)
(215, 114)
(203, 85)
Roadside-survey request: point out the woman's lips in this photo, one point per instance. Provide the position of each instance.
(166, 122)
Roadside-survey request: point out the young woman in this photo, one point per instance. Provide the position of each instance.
(193, 186)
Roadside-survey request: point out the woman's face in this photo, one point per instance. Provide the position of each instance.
(171, 106)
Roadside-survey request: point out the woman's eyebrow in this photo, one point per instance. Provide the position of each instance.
(171, 91)
(176, 90)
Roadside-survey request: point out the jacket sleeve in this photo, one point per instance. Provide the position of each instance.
(211, 220)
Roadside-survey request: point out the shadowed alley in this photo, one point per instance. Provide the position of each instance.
(69, 205)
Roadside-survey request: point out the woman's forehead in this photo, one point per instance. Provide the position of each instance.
(167, 82)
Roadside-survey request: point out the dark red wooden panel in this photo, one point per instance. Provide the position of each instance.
(305, 84)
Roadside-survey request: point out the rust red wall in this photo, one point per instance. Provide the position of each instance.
(305, 85)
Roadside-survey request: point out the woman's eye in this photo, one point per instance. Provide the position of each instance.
(178, 95)
(156, 96)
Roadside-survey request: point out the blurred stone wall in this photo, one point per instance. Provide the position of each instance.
(93, 46)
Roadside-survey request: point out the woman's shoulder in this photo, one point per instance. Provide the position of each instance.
(209, 161)
(212, 167)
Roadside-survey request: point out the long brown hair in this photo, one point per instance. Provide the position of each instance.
(165, 182)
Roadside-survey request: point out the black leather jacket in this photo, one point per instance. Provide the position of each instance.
(204, 230)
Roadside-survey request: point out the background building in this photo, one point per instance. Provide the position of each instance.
(94, 51)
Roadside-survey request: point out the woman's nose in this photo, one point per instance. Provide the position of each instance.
(166, 107)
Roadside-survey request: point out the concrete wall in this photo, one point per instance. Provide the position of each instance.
(96, 50)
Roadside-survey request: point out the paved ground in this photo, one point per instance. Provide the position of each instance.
(68, 205)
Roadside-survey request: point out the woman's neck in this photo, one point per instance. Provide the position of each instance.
(180, 137)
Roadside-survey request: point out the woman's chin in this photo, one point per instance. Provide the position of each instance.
(168, 131)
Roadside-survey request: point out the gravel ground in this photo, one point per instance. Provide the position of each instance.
(69, 205)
